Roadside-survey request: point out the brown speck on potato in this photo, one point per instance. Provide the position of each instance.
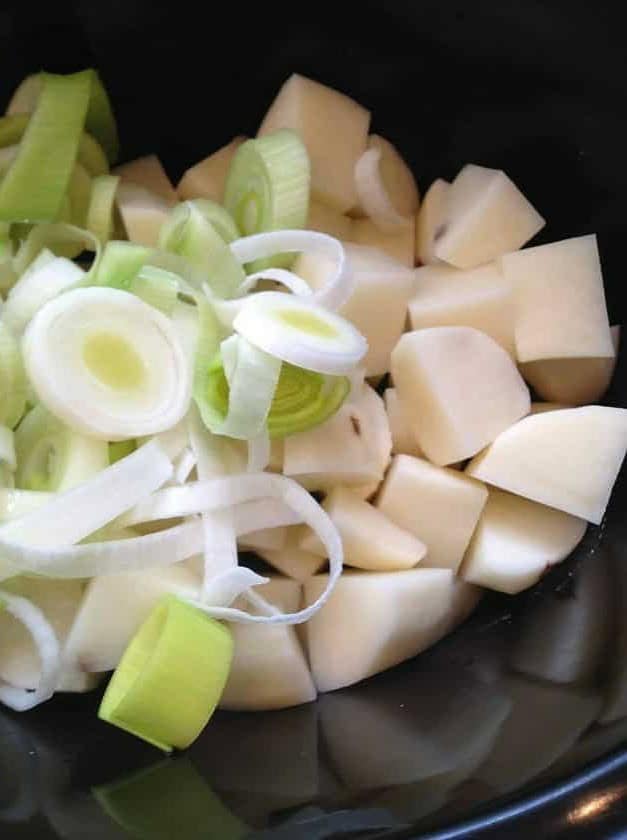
(439, 232)
(355, 424)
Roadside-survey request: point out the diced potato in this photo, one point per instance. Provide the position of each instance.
(404, 440)
(396, 178)
(327, 220)
(481, 298)
(487, 216)
(333, 127)
(292, 558)
(462, 388)
(370, 539)
(143, 213)
(378, 304)
(148, 172)
(564, 639)
(207, 178)
(440, 506)
(541, 407)
(374, 620)
(560, 303)
(270, 539)
(572, 381)
(516, 541)
(400, 246)
(269, 670)
(431, 219)
(566, 459)
(351, 448)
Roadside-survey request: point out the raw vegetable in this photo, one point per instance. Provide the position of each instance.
(385, 186)
(431, 220)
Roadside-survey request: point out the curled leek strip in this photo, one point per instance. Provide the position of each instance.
(52, 457)
(156, 287)
(300, 332)
(13, 384)
(373, 195)
(171, 676)
(219, 217)
(99, 217)
(62, 239)
(7, 449)
(107, 364)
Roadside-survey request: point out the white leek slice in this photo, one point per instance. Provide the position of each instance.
(302, 333)
(286, 278)
(42, 281)
(157, 288)
(258, 453)
(183, 466)
(71, 516)
(51, 457)
(16, 503)
(338, 288)
(48, 650)
(223, 588)
(7, 448)
(107, 364)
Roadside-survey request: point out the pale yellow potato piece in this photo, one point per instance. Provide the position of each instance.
(404, 440)
(430, 222)
(566, 459)
(325, 219)
(564, 639)
(148, 172)
(374, 620)
(271, 539)
(572, 381)
(461, 387)
(439, 505)
(269, 670)
(400, 246)
(487, 216)
(516, 541)
(334, 129)
(481, 298)
(143, 213)
(207, 178)
(560, 302)
(293, 559)
(541, 407)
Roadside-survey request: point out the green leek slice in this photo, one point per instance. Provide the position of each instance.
(219, 217)
(62, 239)
(156, 287)
(171, 676)
(304, 399)
(13, 384)
(119, 449)
(99, 216)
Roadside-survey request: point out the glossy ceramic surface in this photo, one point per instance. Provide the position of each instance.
(465, 740)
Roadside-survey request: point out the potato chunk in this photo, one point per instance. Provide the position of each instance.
(206, 179)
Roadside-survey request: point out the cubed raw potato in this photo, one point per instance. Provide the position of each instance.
(566, 459)
(572, 381)
(615, 701)
(481, 298)
(421, 498)
(560, 303)
(148, 172)
(292, 559)
(545, 721)
(487, 216)
(113, 609)
(207, 178)
(351, 448)
(430, 222)
(374, 620)
(143, 213)
(370, 539)
(562, 637)
(333, 127)
(268, 539)
(516, 540)
(391, 188)
(400, 246)
(59, 600)
(541, 407)
(269, 670)
(378, 304)
(462, 388)
(404, 440)
(327, 220)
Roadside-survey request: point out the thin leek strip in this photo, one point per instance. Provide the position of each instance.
(79, 195)
(157, 288)
(300, 332)
(48, 649)
(7, 448)
(267, 188)
(33, 188)
(99, 218)
(185, 464)
(52, 457)
(120, 449)
(13, 384)
(189, 234)
(219, 217)
(252, 377)
(90, 154)
(16, 503)
(62, 239)
(99, 119)
(221, 589)
(107, 364)
(288, 279)
(120, 263)
(7, 272)
(76, 513)
(339, 287)
(173, 441)
(373, 195)
(44, 279)
(258, 453)
(171, 676)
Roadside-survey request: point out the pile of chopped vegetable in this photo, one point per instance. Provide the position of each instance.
(181, 369)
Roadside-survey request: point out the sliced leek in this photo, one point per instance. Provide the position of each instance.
(107, 364)
(7, 449)
(157, 288)
(99, 216)
(304, 399)
(219, 217)
(373, 194)
(62, 239)
(171, 676)
(13, 384)
(120, 449)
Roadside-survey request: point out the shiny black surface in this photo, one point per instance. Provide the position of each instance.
(458, 742)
